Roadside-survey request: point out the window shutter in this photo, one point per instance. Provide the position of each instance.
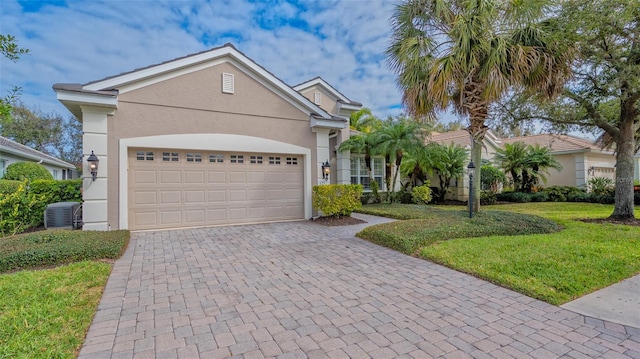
(316, 98)
(227, 83)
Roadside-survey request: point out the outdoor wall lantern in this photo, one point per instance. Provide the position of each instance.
(93, 165)
(472, 171)
(326, 170)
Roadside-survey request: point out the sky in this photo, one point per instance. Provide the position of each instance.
(342, 41)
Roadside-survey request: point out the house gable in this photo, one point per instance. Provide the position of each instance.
(330, 99)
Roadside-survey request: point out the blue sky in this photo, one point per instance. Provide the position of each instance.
(343, 41)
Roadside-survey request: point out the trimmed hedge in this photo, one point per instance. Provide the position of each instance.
(9, 186)
(20, 171)
(55, 247)
(24, 208)
(337, 200)
(562, 194)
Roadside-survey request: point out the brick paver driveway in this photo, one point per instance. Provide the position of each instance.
(299, 289)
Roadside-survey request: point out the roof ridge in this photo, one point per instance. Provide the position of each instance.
(33, 151)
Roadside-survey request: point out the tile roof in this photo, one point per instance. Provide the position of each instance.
(460, 137)
(6, 143)
(558, 143)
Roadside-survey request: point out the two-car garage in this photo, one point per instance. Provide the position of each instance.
(169, 188)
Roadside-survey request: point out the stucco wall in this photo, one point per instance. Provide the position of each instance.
(327, 101)
(194, 103)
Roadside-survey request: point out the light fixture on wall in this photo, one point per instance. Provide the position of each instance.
(472, 171)
(326, 170)
(93, 165)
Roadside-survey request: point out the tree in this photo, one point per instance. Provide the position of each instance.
(394, 139)
(10, 50)
(468, 53)
(46, 132)
(526, 164)
(364, 144)
(363, 120)
(604, 94)
(448, 162)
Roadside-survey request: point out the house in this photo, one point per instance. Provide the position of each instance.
(206, 139)
(581, 159)
(11, 152)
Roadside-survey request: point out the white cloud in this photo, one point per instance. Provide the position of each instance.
(343, 41)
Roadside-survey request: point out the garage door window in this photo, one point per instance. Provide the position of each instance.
(237, 159)
(170, 157)
(216, 158)
(144, 156)
(256, 159)
(292, 160)
(274, 160)
(194, 157)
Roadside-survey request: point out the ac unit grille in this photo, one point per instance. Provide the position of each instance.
(63, 215)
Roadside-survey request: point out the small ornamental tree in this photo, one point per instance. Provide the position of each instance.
(27, 170)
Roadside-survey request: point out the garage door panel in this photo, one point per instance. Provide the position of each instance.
(195, 216)
(170, 194)
(237, 214)
(236, 177)
(170, 217)
(170, 197)
(192, 197)
(145, 198)
(194, 177)
(216, 177)
(170, 177)
(219, 196)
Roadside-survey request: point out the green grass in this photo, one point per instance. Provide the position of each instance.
(554, 267)
(55, 247)
(45, 314)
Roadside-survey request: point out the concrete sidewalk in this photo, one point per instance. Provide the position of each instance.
(618, 303)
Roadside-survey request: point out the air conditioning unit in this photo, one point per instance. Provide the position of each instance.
(63, 215)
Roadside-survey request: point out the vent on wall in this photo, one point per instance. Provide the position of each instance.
(317, 97)
(227, 83)
(63, 215)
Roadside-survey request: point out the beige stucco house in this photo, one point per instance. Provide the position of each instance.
(581, 159)
(210, 138)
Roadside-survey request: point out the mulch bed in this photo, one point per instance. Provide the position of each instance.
(626, 222)
(337, 221)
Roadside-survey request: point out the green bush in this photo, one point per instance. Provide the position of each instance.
(488, 198)
(421, 194)
(600, 185)
(24, 208)
(9, 186)
(337, 200)
(517, 197)
(562, 193)
(539, 197)
(20, 171)
(54, 247)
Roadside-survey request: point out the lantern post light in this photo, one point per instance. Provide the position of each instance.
(326, 170)
(93, 165)
(472, 169)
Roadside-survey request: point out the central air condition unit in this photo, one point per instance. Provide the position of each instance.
(63, 215)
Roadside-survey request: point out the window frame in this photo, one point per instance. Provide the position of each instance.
(362, 171)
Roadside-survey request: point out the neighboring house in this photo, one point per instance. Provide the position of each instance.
(206, 139)
(11, 152)
(460, 187)
(581, 159)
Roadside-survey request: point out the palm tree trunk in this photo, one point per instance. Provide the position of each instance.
(478, 110)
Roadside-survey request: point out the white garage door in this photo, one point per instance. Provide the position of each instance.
(177, 188)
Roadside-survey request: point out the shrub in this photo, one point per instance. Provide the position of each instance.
(488, 198)
(518, 197)
(422, 194)
(636, 198)
(45, 248)
(539, 197)
(24, 208)
(600, 185)
(20, 171)
(579, 197)
(337, 200)
(491, 178)
(9, 186)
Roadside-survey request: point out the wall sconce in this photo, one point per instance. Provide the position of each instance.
(591, 171)
(93, 165)
(326, 170)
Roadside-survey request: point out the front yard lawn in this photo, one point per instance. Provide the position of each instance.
(527, 255)
(45, 313)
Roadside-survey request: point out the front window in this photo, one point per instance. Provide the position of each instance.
(360, 172)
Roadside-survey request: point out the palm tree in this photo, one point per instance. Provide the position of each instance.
(363, 121)
(467, 54)
(361, 143)
(448, 162)
(512, 159)
(538, 160)
(394, 139)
